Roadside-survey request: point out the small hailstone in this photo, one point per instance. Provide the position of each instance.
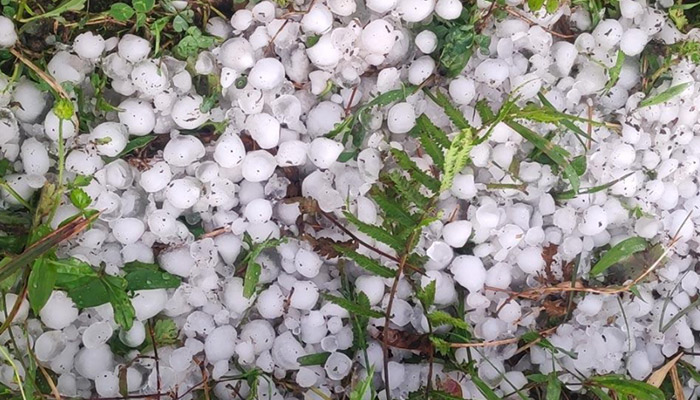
(593, 221)
(8, 36)
(220, 344)
(372, 286)
(138, 116)
(90, 363)
(264, 11)
(324, 54)
(401, 118)
(258, 210)
(134, 336)
(183, 193)
(378, 37)
(51, 127)
(426, 41)
(183, 150)
(590, 305)
(180, 359)
(304, 295)
(638, 365)
(323, 152)
(155, 178)
(307, 263)
(448, 9)
(242, 19)
(149, 78)
(421, 69)
(22, 310)
(510, 312)
(270, 302)
(317, 20)
(440, 254)
(322, 118)
(260, 333)
(233, 296)
(128, 230)
(286, 350)
(415, 10)
(133, 48)
(344, 8)
(381, 6)
(49, 345)
(266, 74)
(258, 166)
(229, 151)
(187, 113)
(337, 366)
(291, 153)
(493, 72)
(608, 33)
(9, 129)
(30, 101)
(469, 272)
(35, 157)
(264, 129)
(110, 138)
(530, 260)
(462, 90)
(633, 42)
(237, 54)
(59, 311)
(97, 334)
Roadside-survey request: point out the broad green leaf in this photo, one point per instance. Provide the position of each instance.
(618, 253)
(86, 292)
(457, 49)
(614, 72)
(146, 278)
(80, 199)
(352, 307)
(457, 157)
(665, 96)
(369, 264)
(135, 144)
(67, 5)
(143, 6)
(81, 180)
(553, 387)
(253, 269)
(121, 12)
(42, 279)
(579, 164)
(535, 5)
(314, 359)
(426, 295)
(627, 387)
(252, 277)
(124, 312)
(439, 318)
(600, 393)
(180, 24)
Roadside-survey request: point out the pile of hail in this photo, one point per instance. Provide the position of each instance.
(559, 255)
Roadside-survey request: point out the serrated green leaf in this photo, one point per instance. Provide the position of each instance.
(627, 387)
(408, 165)
(485, 112)
(79, 198)
(426, 295)
(392, 210)
(430, 147)
(665, 96)
(352, 307)
(41, 283)
(618, 253)
(165, 332)
(439, 318)
(375, 232)
(452, 112)
(121, 12)
(314, 359)
(441, 346)
(368, 264)
(457, 157)
(408, 189)
(433, 132)
(535, 5)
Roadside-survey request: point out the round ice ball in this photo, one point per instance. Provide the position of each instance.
(378, 37)
(307, 263)
(8, 36)
(53, 128)
(229, 151)
(462, 90)
(97, 334)
(633, 41)
(448, 9)
(421, 69)
(183, 150)
(372, 286)
(270, 302)
(233, 296)
(134, 336)
(59, 311)
(258, 210)
(138, 116)
(183, 193)
(187, 112)
(133, 48)
(29, 102)
(156, 178)
(148, 303)
(149, 78)
(469, 272)
(337, 366)
(401, 118)
(264, 129)
(323, 152)
(237, 54)
(415, 10)
(110, 138)
(457, 233)
(22, 310)
(89, 45)
(291, 153)
(35, 157)
(258, 166)
(426, 41)
(266, 74)
(128, 230)
(260, 333)
(305, 295)
(317, 20)
(530, 260)
(220, 343)
(9, 129)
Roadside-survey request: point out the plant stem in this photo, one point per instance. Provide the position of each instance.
(13, 193)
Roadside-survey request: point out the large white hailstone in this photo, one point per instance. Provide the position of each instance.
(52, 124)
(440, 254)
(134, 336)
(35, 157)
(30, 101)
(97, 334)
(218, 27)
(180, 359)
(469, 272)
(381, 6)
(8, 36)
(20, 184)
(148, 303)
(264, 11)
(5, 90)
(401, 118)
(323, 152)
(90, 363)
(149, 78)
(291, 153)
(89, 45)
(372, 286)
(304, 296)
(183, 150)
(66, 67)
(317, 20)
(337, 366)
(220, 344)
(138, 116)
(593, 221)
(633, 41)
(322, 118)
(608, 33)
(133, 48)
(59, 311)
(457, 233)
(49, 345)
(242, 19)
(270, 302)
(415, 10)
(564, 54)
(266, 74)
(258, 211)
(156, 178)
(258, 166)
(229, 151)
(107, 384)
(378, 37)
(631, 8)
(162, 224)
(237, 54)
(448, 9)
(590, 305)
(22, 311)
(307, 263)
(128, 230)
(530, 260)
(110, 138)
(344, 8)
(421, 69)
(681, 226)
(462, 90)
(233, 297)
(183, 193)
(286, 350)
(187, 112)
(260, 333)
(324, 54)
(492, 72)
(638, 365)
(426, 41)
(264, 129)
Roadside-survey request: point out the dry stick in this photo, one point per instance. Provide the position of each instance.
(155, 355)
(43, 75)
(498, 342)
(54, 390)
(531, 22)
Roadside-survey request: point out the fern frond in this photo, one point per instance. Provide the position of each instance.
(407, 189)
(376, 232)
(485, 112)
(457, 157)
(369, 264)
(392, 210)
(352, 307)
(405, 162)
(453, 113)
(438, 318)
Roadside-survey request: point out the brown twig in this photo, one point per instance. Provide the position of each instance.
(516, 14)
(155, 357)
(498, 342)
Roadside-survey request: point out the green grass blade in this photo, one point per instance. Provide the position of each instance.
(314, 359)
(614, 72)
(618, 253)
(665, 96)
(626, 387)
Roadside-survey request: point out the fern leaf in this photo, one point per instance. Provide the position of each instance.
(426, 295)
(376, 232)
(392, 210)
(453, 113)
(352, 307)
(435, 133)
(405, 162)
(485, 112)
(366, 263)
(439, 318)
(407, 189)
(457, 157)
